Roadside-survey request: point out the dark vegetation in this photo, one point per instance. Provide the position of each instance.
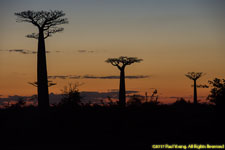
(138, 125)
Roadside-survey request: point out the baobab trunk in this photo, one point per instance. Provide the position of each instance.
(47, 23)
(42, 77)
(122, 91)
(195, 93)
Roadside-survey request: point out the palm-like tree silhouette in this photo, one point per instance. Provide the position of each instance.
(47, 23)
(194, 76)
(121, 63)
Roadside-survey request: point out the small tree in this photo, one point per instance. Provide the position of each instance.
(21, 102)
(121, 63)
(180, 101)
(154, 96)
(47, 23)
(217, 93)
(71, 96)
(194, 76)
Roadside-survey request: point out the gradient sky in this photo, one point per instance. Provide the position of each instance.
(173, 37)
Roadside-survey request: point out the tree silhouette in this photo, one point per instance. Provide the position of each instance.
(217, 93)
(47, 23)
(194, 76)
(71, 96)
(121, 63)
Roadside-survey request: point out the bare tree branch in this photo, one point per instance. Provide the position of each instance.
(32, 35)
(201, 86)
(49, 32)
(50, 83)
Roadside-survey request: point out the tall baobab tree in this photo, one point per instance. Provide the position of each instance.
(121, 63)
(194, 76)
(47, 24)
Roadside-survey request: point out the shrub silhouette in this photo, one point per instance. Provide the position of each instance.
(135, 100)
(180, 101)
(121, 64)
(71, 96)
(20, 103)
(47, 23)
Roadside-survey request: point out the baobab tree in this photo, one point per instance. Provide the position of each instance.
(121, 64)
(194, 76)
(47, 24)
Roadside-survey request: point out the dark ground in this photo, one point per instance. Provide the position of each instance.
(135, 127)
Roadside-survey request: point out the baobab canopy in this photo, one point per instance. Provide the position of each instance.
(122, 61)
(47, 21)
(193, 75)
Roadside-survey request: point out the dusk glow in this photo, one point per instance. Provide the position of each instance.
(172, 37)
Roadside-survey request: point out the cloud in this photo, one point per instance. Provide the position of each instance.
(114, 77)
(117, 90)
(15, 98)
(87, 96)
(74, 77)
(59, 77)
(24, 51)
(185, 97)
(85, 51)
(95, 77)
(113, 90)
(97, 97)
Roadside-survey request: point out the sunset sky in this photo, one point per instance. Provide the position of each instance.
(172, 37)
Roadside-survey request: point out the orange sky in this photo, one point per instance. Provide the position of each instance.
(172, 38)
